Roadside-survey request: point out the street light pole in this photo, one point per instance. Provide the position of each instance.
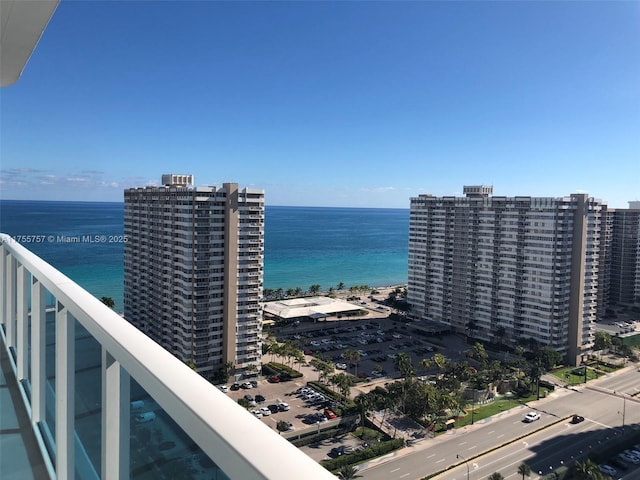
(624, 407)
(465, 461)
(473, 405)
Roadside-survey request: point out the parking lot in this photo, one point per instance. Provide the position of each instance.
(301, 411)
(377, 341)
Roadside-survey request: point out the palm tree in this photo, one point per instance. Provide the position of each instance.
(314, 289)
(341, 286)
(348, 472)
(524, 470)
(587, 470)
(364, 402)
(496, 476)
(402, 364)
(108, 301)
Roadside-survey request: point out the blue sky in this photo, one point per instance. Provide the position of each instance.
(329, 103)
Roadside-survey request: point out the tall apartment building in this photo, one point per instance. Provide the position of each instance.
(532, 266)
(624, 257)
(193, 270)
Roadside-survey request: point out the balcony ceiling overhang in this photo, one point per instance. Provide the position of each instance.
(23, 22)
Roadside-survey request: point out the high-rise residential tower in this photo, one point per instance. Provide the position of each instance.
(624, 258)
(193, 271)
(504, 269)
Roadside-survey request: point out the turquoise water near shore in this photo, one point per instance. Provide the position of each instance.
(303, 245)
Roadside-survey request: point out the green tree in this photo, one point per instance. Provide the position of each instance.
(342, 382)
(402, 364)
(548, 357)
(314, 289)
(479, 354)
(353, 356)
(602, 340)
(524, 470)
(348, 472)
(341, 286)
(587, 470)
(108, 301)
(496, 476)
(365, 403)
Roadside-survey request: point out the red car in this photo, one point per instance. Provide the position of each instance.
(274, 379)
(329, 414)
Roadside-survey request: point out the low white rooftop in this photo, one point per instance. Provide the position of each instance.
(309, 306)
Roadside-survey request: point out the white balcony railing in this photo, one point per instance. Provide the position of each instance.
(42, 312)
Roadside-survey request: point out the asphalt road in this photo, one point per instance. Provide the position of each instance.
(554, 444)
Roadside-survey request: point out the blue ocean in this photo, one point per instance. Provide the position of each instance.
(303, 245)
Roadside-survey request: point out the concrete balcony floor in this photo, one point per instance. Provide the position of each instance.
(20, 458)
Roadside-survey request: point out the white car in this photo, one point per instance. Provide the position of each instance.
(531, 417)
(265, 411)
(256, 413)
(223, 388)
(283, 407)
(608, 470)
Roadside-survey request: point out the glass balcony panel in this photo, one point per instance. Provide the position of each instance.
(160, 448)
(88, 402)
(49, 426)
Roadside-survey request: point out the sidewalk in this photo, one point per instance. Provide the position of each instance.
(414, 446)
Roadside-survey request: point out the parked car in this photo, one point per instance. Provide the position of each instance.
(577, 419)
(265, 411)
(254, 383)
(531, 417)
(166, 445)
(145, 417)
(273, 408)
(246, 385)
(342, 450)
(330, 414)
(260, 398)
(283, 406)
(607, 469)
(235, 386)
(256, 413)
(274, 379)
(223, 388)
(629, 456)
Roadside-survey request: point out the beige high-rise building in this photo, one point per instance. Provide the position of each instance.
(193, 271)
(514, 268)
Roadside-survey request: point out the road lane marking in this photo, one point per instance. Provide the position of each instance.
(460, 444)
(405, 475)
(395, 470)
(440, 461)
(471, 448)
(432, 455)
(500, 436)
(492, 431)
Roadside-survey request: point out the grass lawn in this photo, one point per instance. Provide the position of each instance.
(575, 375)
(500, 405)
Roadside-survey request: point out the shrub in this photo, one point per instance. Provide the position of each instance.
(375, 450)
(278, 368)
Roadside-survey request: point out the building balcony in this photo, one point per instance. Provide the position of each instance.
(93, 397)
